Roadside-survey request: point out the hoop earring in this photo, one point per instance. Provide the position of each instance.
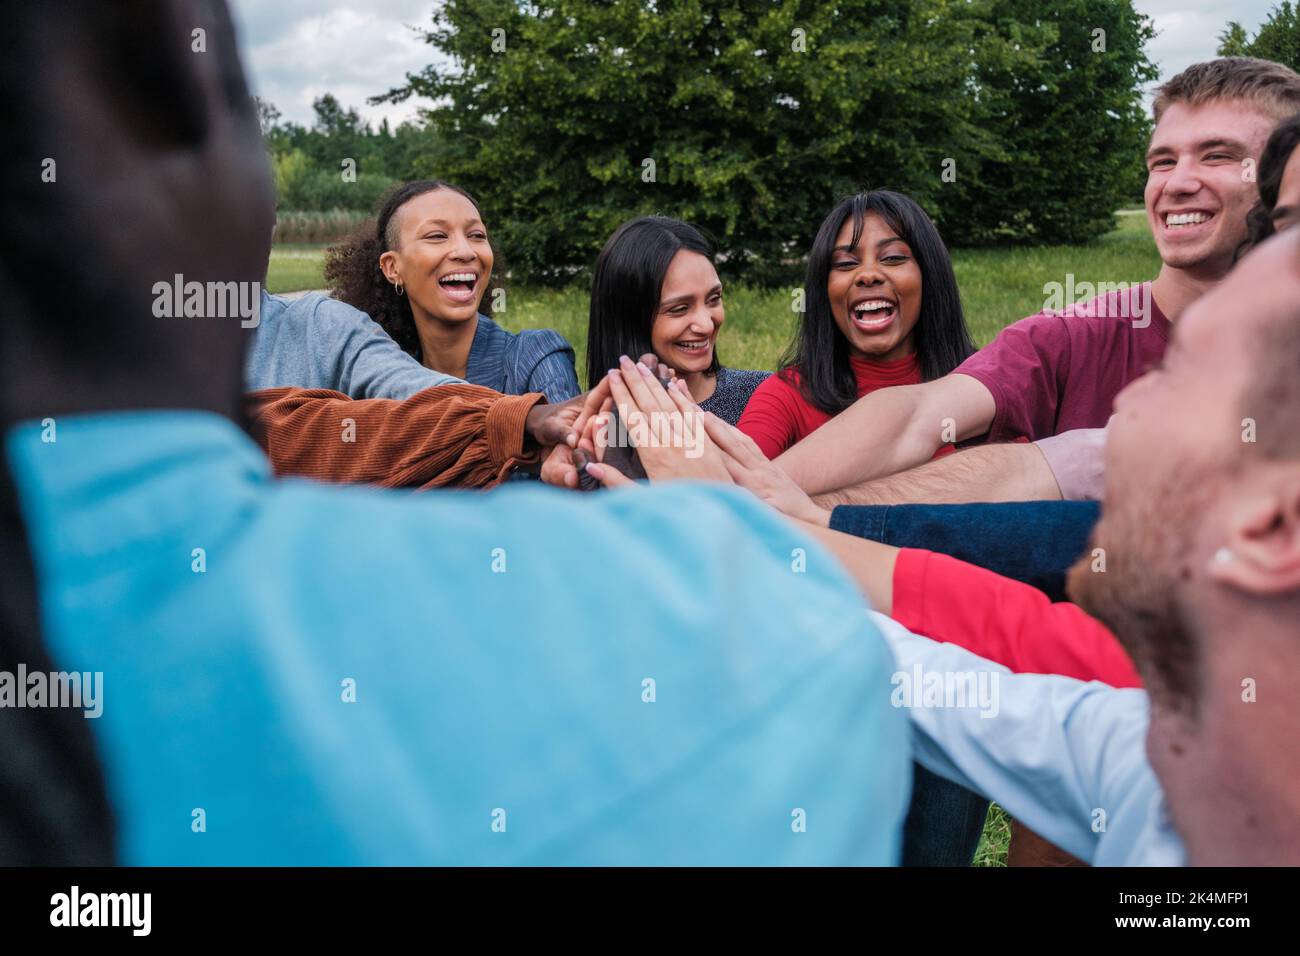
(399, 287)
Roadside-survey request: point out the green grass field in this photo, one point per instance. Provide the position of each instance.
(997, 287)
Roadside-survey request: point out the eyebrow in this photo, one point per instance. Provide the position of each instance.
(688, 297)
(882, 242)
(1222, 142)
(443, 222)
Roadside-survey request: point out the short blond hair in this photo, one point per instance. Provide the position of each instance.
(1272, 87)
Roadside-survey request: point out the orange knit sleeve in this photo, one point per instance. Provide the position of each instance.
(450, 435)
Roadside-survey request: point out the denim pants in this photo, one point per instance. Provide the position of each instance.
(1031, 541)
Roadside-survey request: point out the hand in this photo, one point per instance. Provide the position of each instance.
(558, 465)
(548, 425)
(665, 427)
(564, 465)
(766, 480)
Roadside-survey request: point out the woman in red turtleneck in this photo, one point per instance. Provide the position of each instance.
(880, 309)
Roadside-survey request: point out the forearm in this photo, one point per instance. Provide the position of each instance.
(451, 435)
(1007, 472)
(869, 563)
(878, 435)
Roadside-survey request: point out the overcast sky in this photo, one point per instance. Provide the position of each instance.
(295, 50)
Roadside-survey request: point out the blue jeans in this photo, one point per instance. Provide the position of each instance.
(1031, 541)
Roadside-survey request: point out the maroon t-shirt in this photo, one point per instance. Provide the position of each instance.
(1056, 371)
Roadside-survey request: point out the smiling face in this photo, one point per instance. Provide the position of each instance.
(1182, 485)
(874, 288)
(442, 256)
(689, 314)
(1199, 188)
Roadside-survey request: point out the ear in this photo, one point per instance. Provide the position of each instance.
(1262, 554)
(388, 266)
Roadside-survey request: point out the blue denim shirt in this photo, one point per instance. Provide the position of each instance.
(534, 360)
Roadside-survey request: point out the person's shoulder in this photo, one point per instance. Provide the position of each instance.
(541, 341)
(1117, 306)
(743, 378)
(783, 384)
(527, 347)
(741, 383)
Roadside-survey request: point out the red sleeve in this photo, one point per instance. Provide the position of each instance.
(1004, 621)
(1023, 369)
(771, 417)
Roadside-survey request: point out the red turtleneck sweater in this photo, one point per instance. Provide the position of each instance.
(778, 416)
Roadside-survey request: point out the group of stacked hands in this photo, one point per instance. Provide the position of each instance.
(680, 673)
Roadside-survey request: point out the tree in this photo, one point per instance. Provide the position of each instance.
(1278, 39)
(1233, 41)
(1071, 122)
(750, 118)
(268, 117)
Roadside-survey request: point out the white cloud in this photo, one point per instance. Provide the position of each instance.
(297, 50)
(1187, 31)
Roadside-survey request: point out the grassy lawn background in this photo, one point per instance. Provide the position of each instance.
(997, 287)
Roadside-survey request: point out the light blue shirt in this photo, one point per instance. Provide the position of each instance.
(669, 675)
(1064, 757)
(318, 342)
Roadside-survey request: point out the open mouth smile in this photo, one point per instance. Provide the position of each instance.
(459, 285)
(694, 346)
(873, 314)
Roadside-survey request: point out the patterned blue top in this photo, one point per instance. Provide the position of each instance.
(534, 360)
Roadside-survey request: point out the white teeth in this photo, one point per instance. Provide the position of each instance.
(691, 346)
(1185, 218)
(874, 305)
(459, 277)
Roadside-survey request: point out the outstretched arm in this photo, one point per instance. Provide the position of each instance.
(1051, 750)
(889, 430)
(1008, 472)
(451, 435)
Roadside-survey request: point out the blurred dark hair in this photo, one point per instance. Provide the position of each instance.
(626, 288)
(820, 351)
(352, 266)
(1272, 164)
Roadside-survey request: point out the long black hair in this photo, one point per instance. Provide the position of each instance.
(1272, 164)
(352, 266)
(626, 288)
(820, 352)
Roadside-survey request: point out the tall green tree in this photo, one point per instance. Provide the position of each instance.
(1234, 41)
(750, 117)
(1278, 39)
